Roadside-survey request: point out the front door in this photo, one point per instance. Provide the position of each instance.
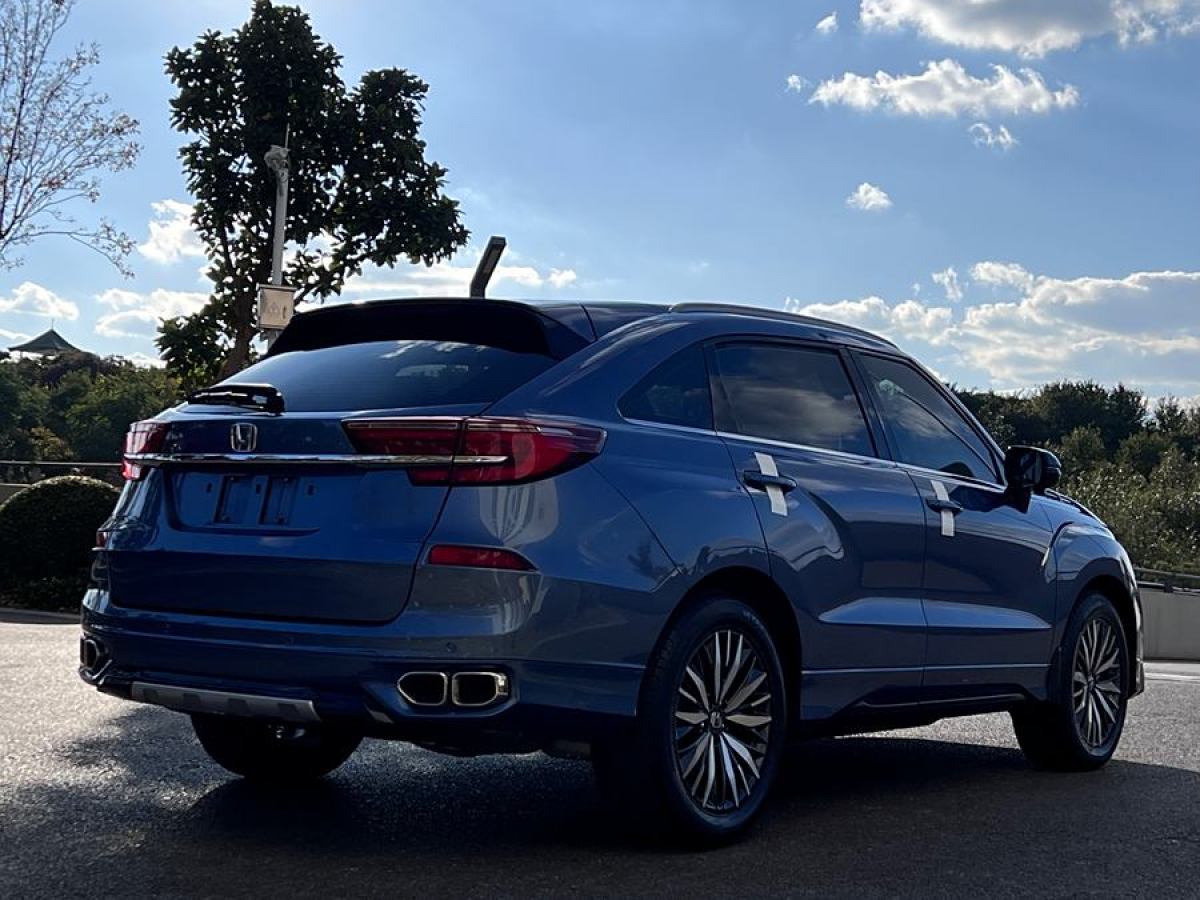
(988, 601)
(844, 528)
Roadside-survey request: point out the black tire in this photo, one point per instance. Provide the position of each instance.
(641, 771)
(1052, 734)
(265, 751)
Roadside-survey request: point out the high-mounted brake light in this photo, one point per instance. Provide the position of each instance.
(447, 451)
(142, 437)
(478, 558)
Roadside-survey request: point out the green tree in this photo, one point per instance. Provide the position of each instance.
(361, 190)
(49, 446)
(1082, 450)
(1169, 416)
(1144, 451)
(22, 407)
(97, 423)
(1066, 405)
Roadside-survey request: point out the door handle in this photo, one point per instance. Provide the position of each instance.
(939, 505)
(762, 480)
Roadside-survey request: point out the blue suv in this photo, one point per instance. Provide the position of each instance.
(670, 539)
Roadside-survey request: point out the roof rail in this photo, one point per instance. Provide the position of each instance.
(777, 315)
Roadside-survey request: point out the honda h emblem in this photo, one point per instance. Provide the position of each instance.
(243, 437)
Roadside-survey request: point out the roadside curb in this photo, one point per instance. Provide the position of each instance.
(17, 615)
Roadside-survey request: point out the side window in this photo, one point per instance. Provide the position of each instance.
(927, 430)
(793, 394)
(675, 392)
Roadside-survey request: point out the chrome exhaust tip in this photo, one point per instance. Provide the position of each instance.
(92, 656)
(424, 688)
(476, 689)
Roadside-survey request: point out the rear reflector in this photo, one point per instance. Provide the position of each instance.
(142, 437)
(446, 451)
(478, 558)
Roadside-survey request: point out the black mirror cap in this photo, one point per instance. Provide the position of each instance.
(1031, 469)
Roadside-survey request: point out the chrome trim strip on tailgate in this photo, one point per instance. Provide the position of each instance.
(224, 702)
(306, 459)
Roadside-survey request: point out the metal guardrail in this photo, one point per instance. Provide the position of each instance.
(1166, 581)
(30, 471)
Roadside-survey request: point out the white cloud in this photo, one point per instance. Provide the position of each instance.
(145, 361)
(560, 278)
(869, 198)
(1032, 28)
(948, 280)
(445, 279)
(797, 83)
(35, 300)
(136, 315)
(945, 88)
(828, 25)
(984, 135)
(14, 336)
(1051, 328)
(171, 235)
(1002, 274)
(908, 319)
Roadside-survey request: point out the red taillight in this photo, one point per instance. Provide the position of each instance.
(478, 558)
(142, 437)
(477, 451)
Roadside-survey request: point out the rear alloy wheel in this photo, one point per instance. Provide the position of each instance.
(1080, 729)
(699, 761)
(268, 751)
(722, 722)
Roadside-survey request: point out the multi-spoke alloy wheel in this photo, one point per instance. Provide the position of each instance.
(1096, 681)
(722, 721)
(1078, 725)
(698, 761)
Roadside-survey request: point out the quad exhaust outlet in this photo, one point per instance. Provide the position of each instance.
(465, 690)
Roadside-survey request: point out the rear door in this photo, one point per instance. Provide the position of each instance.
(299, 514)
(988, 600)
(845, 529)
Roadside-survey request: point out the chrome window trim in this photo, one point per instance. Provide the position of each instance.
(952, 476)
(690, 429)
(808, 448)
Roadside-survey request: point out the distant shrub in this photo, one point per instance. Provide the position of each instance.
(47, 531)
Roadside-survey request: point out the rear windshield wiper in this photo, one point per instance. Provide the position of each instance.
(254, 396)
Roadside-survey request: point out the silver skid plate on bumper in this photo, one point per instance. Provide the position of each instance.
(224, 702)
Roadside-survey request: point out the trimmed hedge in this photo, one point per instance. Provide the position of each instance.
(47, 531)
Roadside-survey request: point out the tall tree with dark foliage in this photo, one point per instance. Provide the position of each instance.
(361, 189)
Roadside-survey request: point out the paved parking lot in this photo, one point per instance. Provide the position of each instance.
(101, 797)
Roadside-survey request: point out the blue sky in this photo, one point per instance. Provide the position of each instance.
(703, 150)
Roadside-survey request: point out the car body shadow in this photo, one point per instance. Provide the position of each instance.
(144, 811)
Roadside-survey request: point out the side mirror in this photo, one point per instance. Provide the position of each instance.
(1031, 469)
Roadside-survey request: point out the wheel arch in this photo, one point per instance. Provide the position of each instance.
(761, 593)
(1113, 588)
(1110, 586)
(1089, 560)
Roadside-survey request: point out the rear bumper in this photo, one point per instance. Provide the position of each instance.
(348, 676)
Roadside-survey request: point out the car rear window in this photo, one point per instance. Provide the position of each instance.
(676, 392)
(394, 374)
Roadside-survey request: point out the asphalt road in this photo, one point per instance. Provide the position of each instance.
(101, 797)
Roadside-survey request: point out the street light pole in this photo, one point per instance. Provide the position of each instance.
(276, 302)
(277, 162)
